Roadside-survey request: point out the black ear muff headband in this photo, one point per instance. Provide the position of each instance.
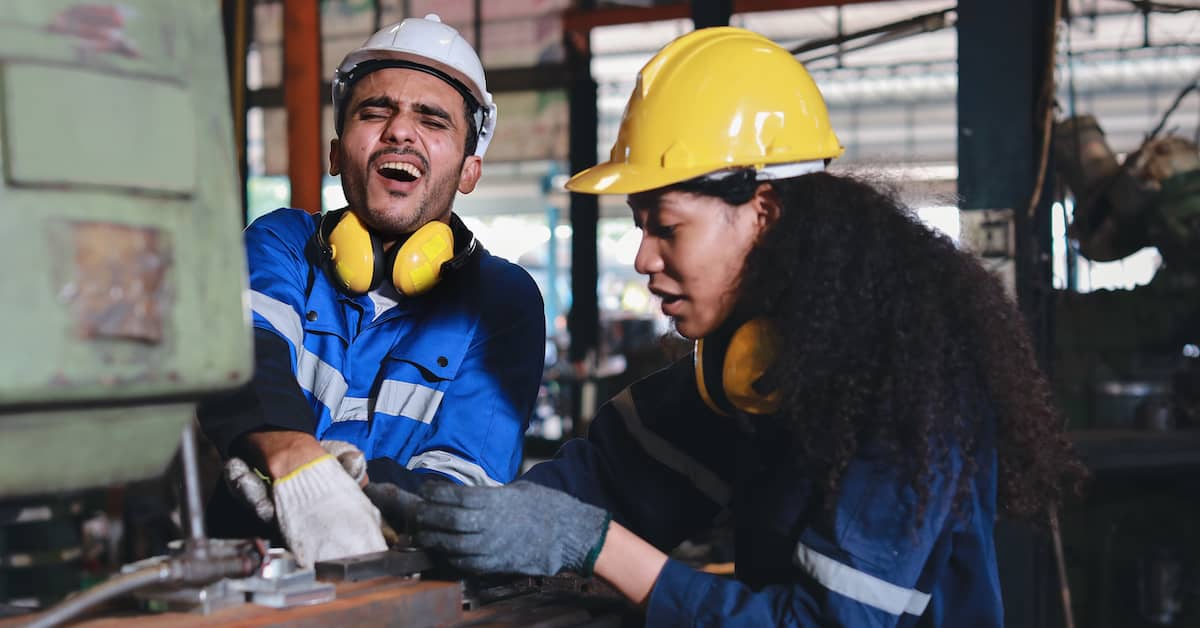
(466, 251)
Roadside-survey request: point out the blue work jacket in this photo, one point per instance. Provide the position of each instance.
(667, 467)
(443, 383)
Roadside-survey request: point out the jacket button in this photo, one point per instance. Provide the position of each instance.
(442, 361)
(311, 316)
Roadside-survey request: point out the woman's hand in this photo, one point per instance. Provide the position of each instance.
(520, 528)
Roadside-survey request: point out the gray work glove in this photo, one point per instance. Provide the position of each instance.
(323, 513)
(520, 528)
(398, 506)
(253, 488)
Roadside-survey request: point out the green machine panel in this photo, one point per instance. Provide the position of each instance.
(123, 298)
(146, 141)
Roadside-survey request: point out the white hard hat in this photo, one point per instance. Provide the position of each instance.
(423, 44)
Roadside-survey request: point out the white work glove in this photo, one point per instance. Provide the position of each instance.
(253, 488)
(321, 509)
(323, 513)
(349, 456)
(250, 486)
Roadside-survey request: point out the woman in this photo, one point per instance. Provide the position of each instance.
(896, 411)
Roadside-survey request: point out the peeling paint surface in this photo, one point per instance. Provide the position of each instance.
(120, 280)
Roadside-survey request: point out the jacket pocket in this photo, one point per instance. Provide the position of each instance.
(417, 374)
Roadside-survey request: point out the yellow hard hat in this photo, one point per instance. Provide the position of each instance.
(713, 99)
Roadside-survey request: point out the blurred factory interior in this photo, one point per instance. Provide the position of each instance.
(1056, 140)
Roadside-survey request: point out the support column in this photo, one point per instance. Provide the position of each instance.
(706, 13)
(236, 17)
(583, 319)
(1004, 54)
(302, 98)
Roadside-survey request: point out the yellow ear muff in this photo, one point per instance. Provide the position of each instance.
(751, 352)
(418, 263)
(354, 253)
(729, 365)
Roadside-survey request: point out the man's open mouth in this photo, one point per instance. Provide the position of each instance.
(399, 171)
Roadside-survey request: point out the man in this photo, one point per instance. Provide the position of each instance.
(354, 361)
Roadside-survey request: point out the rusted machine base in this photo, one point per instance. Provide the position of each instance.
(548, 610)
(493, 602)
(387, 601)
(394, 601)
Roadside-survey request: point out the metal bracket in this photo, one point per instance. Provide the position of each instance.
(409, 561)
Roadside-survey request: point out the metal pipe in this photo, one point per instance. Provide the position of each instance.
(191, 486)
(1064, 586)
(112, 588)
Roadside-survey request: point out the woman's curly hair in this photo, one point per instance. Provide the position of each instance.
(890, 333)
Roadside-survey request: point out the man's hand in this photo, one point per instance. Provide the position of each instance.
(278, 453)
(323, 513)
(318, 503)
(253, 487)
(519, 528)
(248, 485)
(349, 456)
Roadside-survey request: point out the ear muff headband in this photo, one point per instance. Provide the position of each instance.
(730, 364)
(468, 250)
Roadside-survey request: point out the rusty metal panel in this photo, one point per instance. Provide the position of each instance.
(117, 287)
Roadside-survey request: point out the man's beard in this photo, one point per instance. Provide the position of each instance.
(436, 200)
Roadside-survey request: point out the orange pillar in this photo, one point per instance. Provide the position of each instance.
(302, 98)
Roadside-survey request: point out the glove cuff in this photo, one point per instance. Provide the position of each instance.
(583, 537)
(310, 482)
(589, 561)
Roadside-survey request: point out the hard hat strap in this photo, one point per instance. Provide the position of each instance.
(771, 172)
(787, 171)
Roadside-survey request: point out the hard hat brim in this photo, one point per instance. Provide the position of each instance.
(624, 178)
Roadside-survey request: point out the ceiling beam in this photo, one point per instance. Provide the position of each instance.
(584, 20)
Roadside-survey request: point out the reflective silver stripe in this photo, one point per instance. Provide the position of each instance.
(917, 603)
(281, 316)
(409, 400)
(658, 448)
(329, 386)
(859, 586)
(312, 373)
(323, 381)
(465, 471)
(350, 409)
